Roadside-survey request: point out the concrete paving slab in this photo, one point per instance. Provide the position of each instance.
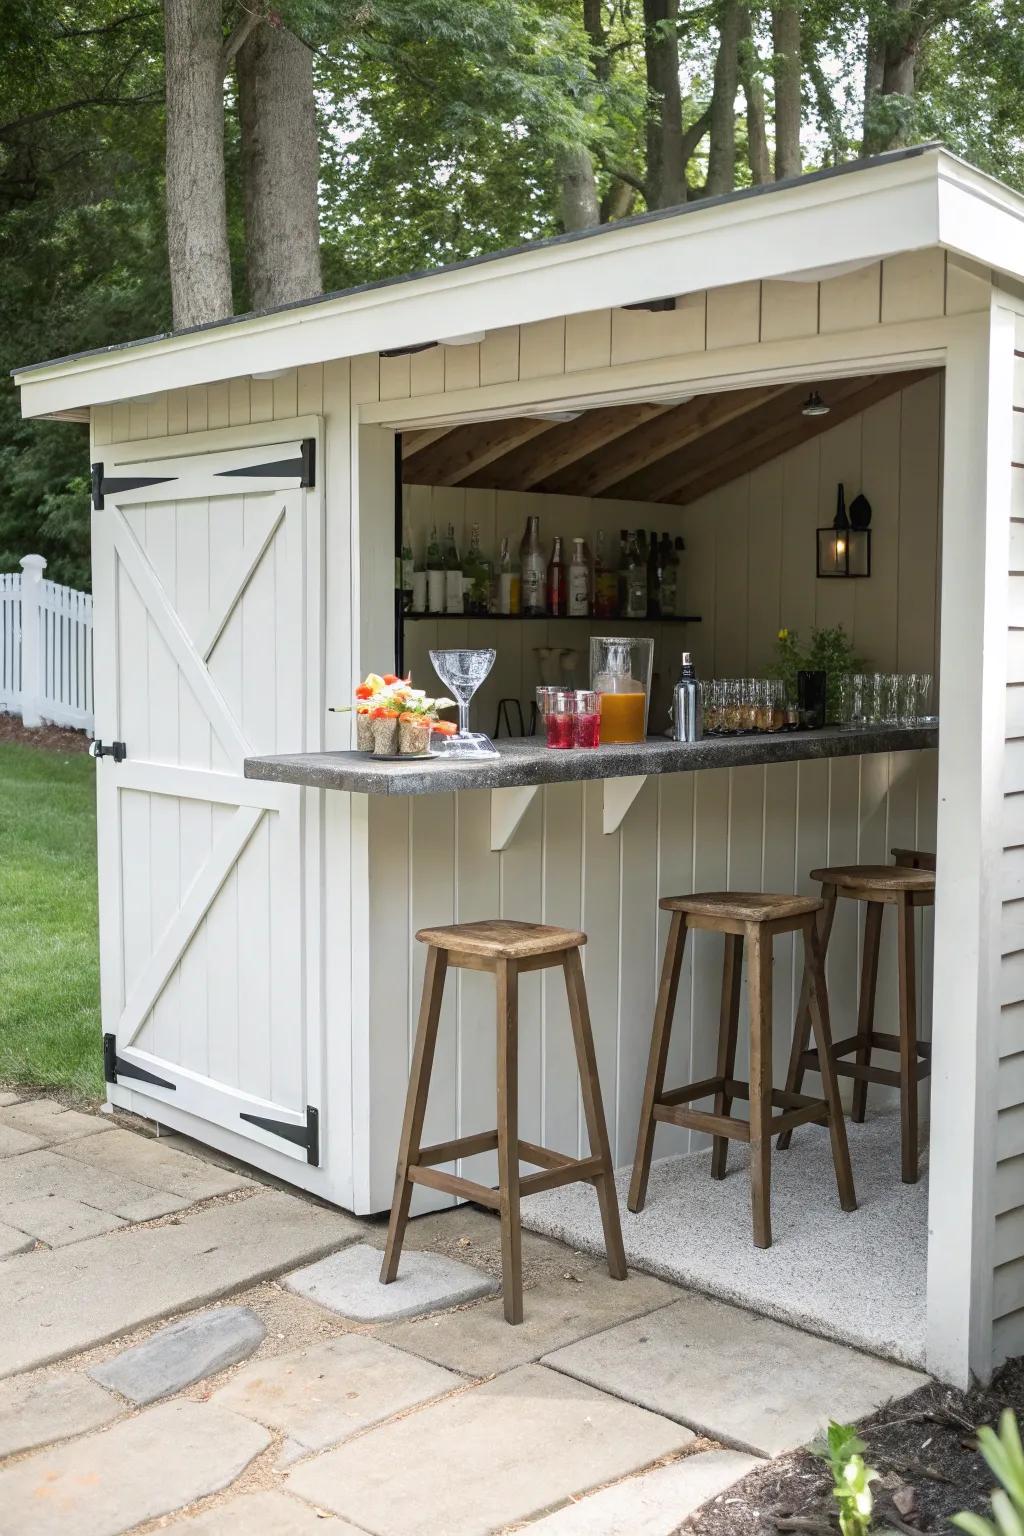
(652, 1504)
(323, 1396)
(746, 1380)
(262, 1514)
(349, 1283)
(479, 1342)
(50, 1121)
(37, 1410)
(183, 1352)
(42, 1174)
(107, 1483)
(13, 1142)
(505, 1451)
(473, 1236)
(141, 1274)
(8, 1098)
(57, 1221)
(150, 1162)
(12, 1242)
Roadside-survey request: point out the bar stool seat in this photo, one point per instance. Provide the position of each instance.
(506, 948)
(905, 886)
(754, 919)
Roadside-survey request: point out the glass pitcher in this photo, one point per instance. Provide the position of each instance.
(620, 671)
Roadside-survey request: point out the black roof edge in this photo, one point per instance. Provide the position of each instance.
(656, 215)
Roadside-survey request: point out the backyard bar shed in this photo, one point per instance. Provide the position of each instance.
(259, 975)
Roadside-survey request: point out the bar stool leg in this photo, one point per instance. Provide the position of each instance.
(802, 1023)
(908, 1040)
(759, 987)
(597, 1131)
(415, 1107)
(866, 1007)
(829, 1080)
(506, 978)
(660, 1038)
(728, 1029)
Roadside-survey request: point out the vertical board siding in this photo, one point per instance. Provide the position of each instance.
(1008, 1278)
(430, 862)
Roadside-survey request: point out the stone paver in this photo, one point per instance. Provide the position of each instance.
(349, 1283)
(325, 1395)
(501, 1452)
(183, 1352)
(261, 1514)
(743, 1379)
(40, 1409)
(150, 1162)
(39, 1175)
(51, 1122)
(107, 1483)
(56, 1302)
(12, 1242)
(57, 1221)
(12, 1141)
(7, 1098)
(652, 1504)
(479, 1342)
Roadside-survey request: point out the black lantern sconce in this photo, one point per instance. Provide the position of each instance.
(844, 549)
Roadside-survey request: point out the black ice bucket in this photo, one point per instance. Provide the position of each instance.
(811, 697)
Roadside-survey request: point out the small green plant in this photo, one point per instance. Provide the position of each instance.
(1005, 1456)
(830, 651)
(843, 1449)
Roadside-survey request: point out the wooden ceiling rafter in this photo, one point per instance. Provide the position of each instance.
(463, 452)
(565, 443)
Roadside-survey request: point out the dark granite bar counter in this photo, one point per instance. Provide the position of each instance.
(529, 761)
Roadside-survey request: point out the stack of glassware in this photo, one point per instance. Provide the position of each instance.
(885, 698)
(736, 706)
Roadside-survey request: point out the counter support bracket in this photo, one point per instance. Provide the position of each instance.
(508, 807)
(619, 795)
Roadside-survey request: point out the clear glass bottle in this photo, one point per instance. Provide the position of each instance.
(476, 573)
(668, 595)
(620, 579)
(407, 566)
(653, 577)
(605, 582)
(454, 599)
(579, 580)
(509, 588)
(557, 581)
(435, 574)
(687, 717)
(533, 569)
(635, 584)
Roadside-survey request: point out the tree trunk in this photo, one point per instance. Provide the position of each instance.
(753, 92)
(280, 167)
(666, 165)
(894, 45)
(578, 203)
(197, 230)
(788, 73)
(722, 147)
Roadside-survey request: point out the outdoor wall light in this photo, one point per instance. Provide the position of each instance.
(814, 405)
(844, 549)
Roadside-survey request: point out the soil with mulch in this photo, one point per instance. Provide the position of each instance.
(923, 1446)
(51, 738)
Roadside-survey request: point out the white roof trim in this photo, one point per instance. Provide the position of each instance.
(923, 200)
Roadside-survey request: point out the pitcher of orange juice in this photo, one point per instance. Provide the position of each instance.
(620, 672)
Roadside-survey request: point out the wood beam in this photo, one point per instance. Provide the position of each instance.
(466, 450)
(673, 430)
(563, 445)
(413, 441)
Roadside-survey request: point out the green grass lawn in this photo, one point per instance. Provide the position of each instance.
(49, 962)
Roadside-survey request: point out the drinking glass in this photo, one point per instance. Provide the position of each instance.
(709, 706)
(888, 708)
(922, 696)
(906, 698)
(586, 729)
(732, 706)
(846, 698)
(463, 671)
(559, 722)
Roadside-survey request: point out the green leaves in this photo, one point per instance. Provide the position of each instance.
(1005, 1456)
(852, 1478)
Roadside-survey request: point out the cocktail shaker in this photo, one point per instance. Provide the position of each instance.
(686, 711)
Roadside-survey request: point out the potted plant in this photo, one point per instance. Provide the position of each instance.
(830, 651)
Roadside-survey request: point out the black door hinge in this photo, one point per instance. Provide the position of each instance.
(104, 485)
(115, 749)
(115, 1067)
(307, 1135)
(303, 468)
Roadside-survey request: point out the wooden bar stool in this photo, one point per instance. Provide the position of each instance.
(757, 919)
(904, 887)
(507, 948)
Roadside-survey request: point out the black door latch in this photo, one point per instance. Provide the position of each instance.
(115, 749)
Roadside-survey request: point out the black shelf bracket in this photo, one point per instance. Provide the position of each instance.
(307, 1136)
(115, 1067)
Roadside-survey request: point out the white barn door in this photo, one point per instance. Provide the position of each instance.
(206, 560)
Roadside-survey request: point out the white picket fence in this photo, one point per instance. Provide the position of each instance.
(45, 648)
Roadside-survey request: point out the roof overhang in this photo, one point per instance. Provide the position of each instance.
(798, 230)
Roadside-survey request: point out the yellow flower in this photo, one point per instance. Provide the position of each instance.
(783, 634)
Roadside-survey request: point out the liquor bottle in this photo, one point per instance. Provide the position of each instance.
(476, 576)
(669, 588)
(579, 580)
(635, 582)
(620, 582)
(605, 583)
(558, 593)
(509, 589)
(408, 565)
(454, 600)
(534, 571)
(435, 574)
(653, 578)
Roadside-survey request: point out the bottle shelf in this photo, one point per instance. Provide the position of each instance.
(544, 618)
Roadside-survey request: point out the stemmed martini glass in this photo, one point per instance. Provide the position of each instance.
(462, 671)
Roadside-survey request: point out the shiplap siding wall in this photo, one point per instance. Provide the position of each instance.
(1008, 1280)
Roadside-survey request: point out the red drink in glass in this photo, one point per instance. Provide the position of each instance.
(559, 730)
(587, 731)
